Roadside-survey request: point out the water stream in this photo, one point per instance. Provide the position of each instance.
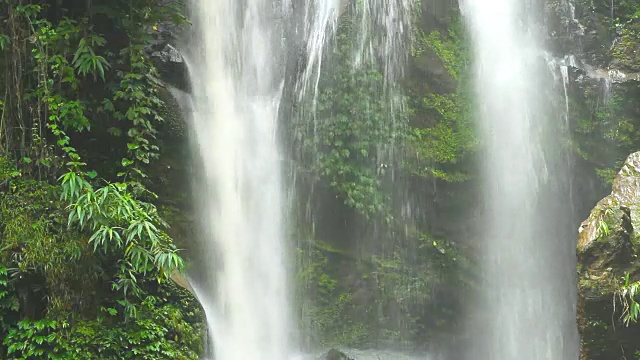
(527, 308)
(237, 79)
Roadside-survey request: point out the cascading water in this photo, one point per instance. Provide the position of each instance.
(237, 77)
(527, 309)
(238, 59)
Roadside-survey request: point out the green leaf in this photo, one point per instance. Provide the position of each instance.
(4, 41)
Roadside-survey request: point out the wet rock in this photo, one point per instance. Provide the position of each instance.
(163, 50)
(582, 29)
(181, 281)
(171, 66)
(607, 247)
(334, 354)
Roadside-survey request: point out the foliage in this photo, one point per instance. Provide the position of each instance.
(386, 298)
(72, 263)
(333, 317)
(448, 48)
(605, 131)
(44, 246)
(446, 142)
(362, 130)
(121, 222)
(83, 247)
(627, 26)
(9, 304)
(354, 126)
(628, 294)
(159, 331)
(442, 133)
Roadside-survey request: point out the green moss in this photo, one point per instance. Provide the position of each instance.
(332, 316)
(624, 53)
(357, 302)
(449, 48)
(441, 135)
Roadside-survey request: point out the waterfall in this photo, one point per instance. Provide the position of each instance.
(248, 59)
(527, 306)
(235, 60)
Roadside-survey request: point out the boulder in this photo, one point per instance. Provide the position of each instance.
(163, 50)
(334, 354)
(607, 251)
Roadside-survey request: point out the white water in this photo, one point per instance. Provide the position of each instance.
(526, 312)
(237, 73)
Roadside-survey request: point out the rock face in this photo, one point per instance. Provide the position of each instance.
(607, 246)
(601, 60)
(583, 29)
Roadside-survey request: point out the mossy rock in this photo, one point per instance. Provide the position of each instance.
(607, 250)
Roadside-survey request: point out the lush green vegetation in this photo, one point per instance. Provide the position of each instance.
(85, 257)
(605, 121)
(372, 149)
